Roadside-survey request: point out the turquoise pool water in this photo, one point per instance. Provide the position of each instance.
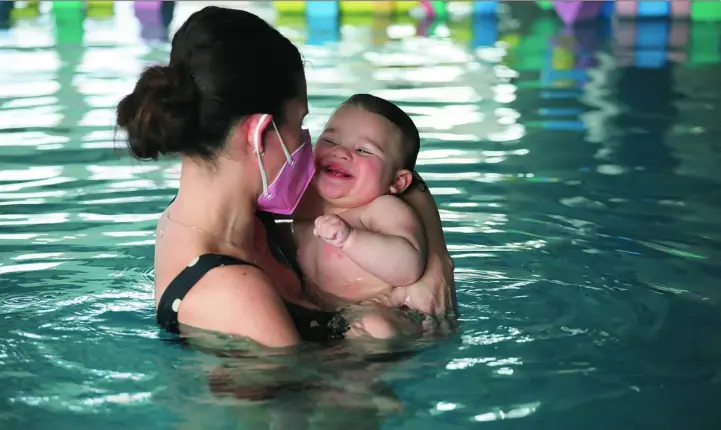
(579, 209)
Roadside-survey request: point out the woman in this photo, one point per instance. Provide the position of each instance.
(231, 103)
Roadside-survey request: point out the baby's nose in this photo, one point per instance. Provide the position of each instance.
(341, 152)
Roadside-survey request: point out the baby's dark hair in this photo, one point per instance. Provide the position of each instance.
(394, 114)
(224, 64)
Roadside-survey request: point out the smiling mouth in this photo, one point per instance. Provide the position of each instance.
(334, 171)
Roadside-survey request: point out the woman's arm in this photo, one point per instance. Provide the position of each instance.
(435, 292)
(239, 301)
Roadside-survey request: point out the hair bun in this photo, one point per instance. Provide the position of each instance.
(161, 115)
(164, 78)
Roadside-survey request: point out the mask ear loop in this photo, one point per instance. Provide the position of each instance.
(256, 143)
(282, 144)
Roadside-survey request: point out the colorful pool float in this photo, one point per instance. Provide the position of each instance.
(694, 10)
(352, 7)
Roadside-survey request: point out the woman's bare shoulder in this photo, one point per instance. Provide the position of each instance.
(239, 300)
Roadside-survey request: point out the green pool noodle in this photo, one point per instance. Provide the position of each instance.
(531, 53)
(545, 5)
(439, 8)
(68, 5)
(704, 44)
(69, 25)
(706, 10)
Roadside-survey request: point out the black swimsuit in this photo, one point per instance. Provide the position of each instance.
(312, 325)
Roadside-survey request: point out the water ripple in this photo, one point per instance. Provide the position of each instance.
(579, 199)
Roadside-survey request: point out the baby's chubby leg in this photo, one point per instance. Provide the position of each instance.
(380, 322)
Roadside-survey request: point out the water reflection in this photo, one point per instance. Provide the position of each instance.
(575, 173)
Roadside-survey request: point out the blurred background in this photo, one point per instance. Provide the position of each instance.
(571, 149)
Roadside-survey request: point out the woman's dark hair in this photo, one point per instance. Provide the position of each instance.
(394, 114)
(224, 64)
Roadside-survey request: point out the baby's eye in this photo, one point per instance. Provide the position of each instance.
(328, 141)
(363, 151)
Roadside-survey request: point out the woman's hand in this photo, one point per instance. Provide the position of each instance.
(434, 293)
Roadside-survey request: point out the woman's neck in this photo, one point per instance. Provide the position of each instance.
(219, 204)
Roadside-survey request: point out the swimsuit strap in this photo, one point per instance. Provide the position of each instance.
(167, 314)
(312, 324)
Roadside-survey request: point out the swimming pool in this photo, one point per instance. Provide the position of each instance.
(579, 208)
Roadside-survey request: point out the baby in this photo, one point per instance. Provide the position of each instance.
(367, 241)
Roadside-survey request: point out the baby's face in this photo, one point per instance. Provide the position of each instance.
(358, 156)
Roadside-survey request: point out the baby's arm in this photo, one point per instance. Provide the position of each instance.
(389, 245)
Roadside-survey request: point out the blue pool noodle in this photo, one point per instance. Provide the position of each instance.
(651, 50)
(485, 25)
(323, 22)
(607, 9)
(324, 9)
(485, 30)
(485, 7)
(653, 9)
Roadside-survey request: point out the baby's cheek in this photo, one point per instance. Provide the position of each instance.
(372, 168)
(318, 152)
(382, 174)
(374, 182)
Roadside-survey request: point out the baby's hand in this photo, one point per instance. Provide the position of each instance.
(333, 229)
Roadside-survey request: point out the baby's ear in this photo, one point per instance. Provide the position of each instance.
(402, 181)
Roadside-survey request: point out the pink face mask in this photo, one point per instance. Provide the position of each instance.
(284, 193)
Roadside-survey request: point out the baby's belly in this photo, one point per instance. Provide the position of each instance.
(339, 278)
(340, 289)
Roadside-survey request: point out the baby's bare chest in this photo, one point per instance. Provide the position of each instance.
(320, 260)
